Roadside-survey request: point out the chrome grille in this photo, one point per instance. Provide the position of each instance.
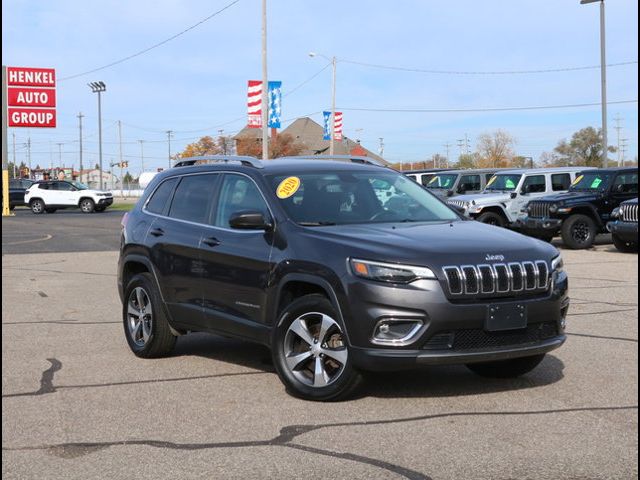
(458, 203)
(629, 213)
(539, 209)
(498, 279)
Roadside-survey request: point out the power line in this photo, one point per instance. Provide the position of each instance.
(479, 72)
(152, 46)
(475, 110)
(298, 87)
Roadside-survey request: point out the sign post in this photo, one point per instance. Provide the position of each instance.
(28, 100)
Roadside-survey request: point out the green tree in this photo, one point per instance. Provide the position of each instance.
(467, 160)
(584, 148)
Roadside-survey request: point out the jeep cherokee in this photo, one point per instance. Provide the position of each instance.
(306, 257)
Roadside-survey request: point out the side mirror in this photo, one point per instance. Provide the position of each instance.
(525, 189)
(450, 192)
(513, 195)
(249, 220)
(619, 188)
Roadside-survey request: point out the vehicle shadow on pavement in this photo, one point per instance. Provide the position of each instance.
(227, 350)
(456, 380)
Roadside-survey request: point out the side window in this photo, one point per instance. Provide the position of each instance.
(426, 178)
(238, 193)
(626, 183)
(470, 182)
(160, 197)
(63, 186)
(43, 186)
(560, 182)
(534, 184)
(488, 176)
(193, 198)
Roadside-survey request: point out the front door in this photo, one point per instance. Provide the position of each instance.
(236, 263)
(625, 187)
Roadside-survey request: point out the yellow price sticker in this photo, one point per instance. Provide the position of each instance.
(491, 181)
(577, 180)
(433, 180)
(288, 187)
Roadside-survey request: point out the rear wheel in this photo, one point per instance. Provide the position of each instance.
(492, 218)
(506, 368)
(145, 323)
(87, 205)
(37, 206)
(310, 351)
(579, 232)
(623, 246)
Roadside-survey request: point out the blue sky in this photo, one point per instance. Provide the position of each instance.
(196, 84)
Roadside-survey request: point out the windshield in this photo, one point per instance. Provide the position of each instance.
(343, 198)
(590, 181)
(79, 186)
(443, 181)
(504, 182)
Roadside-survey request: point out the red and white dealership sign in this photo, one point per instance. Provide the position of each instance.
(31, 97)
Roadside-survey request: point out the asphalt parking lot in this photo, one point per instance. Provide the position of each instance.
(77, 404)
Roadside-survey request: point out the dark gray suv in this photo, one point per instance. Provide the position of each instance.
(339, 266)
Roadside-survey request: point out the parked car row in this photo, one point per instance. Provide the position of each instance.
(577, 203)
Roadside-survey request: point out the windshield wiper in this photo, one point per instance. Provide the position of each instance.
(316, 224)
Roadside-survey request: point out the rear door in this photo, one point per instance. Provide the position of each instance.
(236, 263)
(182, 206)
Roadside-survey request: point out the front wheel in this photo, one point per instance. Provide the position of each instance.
(87, 205)
(579, 232)
(623, 246)
(311, 353)
(37, 206)
(506, 368)
(492, 218)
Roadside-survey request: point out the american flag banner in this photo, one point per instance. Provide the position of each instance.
(327, 129)
(337, 128)
(254, 104)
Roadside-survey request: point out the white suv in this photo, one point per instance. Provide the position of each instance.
(509, 192)
(49, 196)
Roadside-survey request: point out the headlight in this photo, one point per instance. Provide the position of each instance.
(553, 208)
(557, 264)
(388, 272)
(615, 213)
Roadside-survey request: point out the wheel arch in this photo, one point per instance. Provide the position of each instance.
(590, 212)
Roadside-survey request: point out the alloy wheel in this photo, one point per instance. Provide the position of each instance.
(314, 349)
(581, 232)
(139, 316)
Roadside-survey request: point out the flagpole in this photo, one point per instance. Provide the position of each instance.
(332, 143)
(265, 85)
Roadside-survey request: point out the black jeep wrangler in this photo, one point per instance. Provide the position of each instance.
(624, 227)
(582, 212)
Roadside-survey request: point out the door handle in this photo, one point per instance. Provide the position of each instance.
(211, 241)
(157, 232)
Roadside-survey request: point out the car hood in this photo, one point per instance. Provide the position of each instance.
(570, 197)
(455, 243)
(485, 198)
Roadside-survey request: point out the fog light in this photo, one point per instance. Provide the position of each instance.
(395, 331)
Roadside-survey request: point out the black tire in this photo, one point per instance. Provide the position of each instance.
(625, 247)
(50, 210)
(506, 368)
(37, 206)
(160, 340)
(299, 380)
(492, 218)
(579, 232)
(87, 205)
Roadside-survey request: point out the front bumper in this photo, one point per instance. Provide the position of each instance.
(627, 231)
(536, 224)
(451, 332)
(105, 202)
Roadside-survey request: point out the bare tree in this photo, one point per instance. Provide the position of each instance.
(496, 149)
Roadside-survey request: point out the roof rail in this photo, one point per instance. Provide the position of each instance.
(207, 159)
(350, 158)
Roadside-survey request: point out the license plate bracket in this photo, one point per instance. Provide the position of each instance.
(501, 317)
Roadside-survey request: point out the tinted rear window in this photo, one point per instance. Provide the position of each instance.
(158, 200)
(192, 198)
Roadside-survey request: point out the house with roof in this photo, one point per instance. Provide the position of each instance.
(310, 133)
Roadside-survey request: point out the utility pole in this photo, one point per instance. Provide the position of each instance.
(169, 135)
(618, 128)
(447, 145)
(142, 154)
(381, 148)
(623, 146)
(265, 85)
(80, 141)
(120, 157)
(29, 155)
(99, 88)
(15, 167)
(332, 143)
(59, 155)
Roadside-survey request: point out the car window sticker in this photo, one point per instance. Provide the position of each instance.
(577, 180)
(288, 187)
(490, 182)
(509, 183)
(596, 182)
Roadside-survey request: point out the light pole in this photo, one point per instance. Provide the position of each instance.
(99, 87)
(603, 81)
(142, 154)
(169, 135)
(334, 62)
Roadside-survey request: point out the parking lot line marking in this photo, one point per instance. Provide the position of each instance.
(623, 339)
(33, 240)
